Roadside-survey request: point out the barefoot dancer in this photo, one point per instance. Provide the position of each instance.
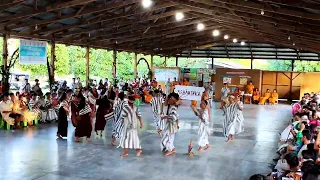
(63, 114)
(129, 138)
(157, 109)
(117, 125)
(204, 130)
(172, 125)
(105, 108)
(84, 126)
(233, 122)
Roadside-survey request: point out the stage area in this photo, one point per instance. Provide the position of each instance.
(34, 153)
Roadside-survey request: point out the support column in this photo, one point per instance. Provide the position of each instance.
(114, 72)
(292, 65)
(251, 63)
(165, 61)
(135, 62)
(87, 65)
(5, 77)
(212, 62)
(151, 62)
(177, 59)
(51, 63)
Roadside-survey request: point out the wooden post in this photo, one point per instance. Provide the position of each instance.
(212, 62)
(5, 77)
(135, 62)
(114, 73)
(151, 62)
(177, 59)
(165, 61)
(52, 68)
(251, 63)
(87, 65)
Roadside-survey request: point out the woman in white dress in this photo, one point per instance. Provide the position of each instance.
(129, 137)
(224, 94)
(204, 129)
(117, 125)
(168, 86)
(233, 118)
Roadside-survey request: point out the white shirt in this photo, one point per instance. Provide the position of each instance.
(304, 147)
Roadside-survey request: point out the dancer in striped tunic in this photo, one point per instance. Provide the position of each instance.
(63, 113)
(157, 109)
(204, 130)
(50, 114)
(172, 125)
(233, 122)
(84, 126)
(130, 138)
(117, 125)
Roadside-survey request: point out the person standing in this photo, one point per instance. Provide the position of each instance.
(73, 84)
(63, 113)
(84, 126)
(174, 83)
(157, 109)
(105, 107)
(27, 86)
(204, 130)
(78, 83)
(130, 138)
(224, 94)
(117, 125)
(172, 125)
(233, 118)
(212, 87)
(168, 86)
(106, 83)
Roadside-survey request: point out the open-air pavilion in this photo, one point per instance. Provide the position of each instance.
(170, 28)
(238, 29)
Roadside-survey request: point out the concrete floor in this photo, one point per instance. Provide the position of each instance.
(34, 153)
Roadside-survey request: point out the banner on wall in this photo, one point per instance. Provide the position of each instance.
(33, 52)
(243, 80)
(163, 74)
(189, 92)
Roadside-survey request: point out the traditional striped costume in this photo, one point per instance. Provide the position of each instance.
(129, 136)
(156, 105)
(117, 124)
(204, 129)
(167, 141)
(33, 105)
(50, 113)
(233, 122)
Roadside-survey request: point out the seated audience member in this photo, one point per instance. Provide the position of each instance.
(237, 91)
(185, 82)
(312, 174)
(274, 97)
(308, 160)
(34, 105)
(12, 98)
(249, 90)
(7, 112)
(256, 96)
(288, 165)
(265, 97)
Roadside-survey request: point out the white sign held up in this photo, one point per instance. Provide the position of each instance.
(189, 92)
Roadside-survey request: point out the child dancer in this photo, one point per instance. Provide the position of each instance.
(172, 125)
(117, 124)
(157, 109)
(204, 130)
(129, 138)
(51, 113)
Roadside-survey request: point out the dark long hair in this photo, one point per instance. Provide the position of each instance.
(82, 103)
(63, 97)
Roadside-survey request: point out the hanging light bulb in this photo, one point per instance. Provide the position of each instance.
(242, 43)
(200, 27)
(262, 12)
(215, 33)
(289, 38)
(294, 44)
(179, 16)
(226, 36)
(234, 40)
(146, 3)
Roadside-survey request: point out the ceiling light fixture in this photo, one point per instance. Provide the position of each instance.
(242, 43)
(200, 27)
(215, 33)
(226, 36)
(289, 38)
(234, 40)
(179, 16)
(294, 44)
(262, 12)
(146, 3)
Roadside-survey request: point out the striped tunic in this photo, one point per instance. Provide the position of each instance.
(33, 107)
(117, 124)
(50, 114)
(129, 136)
(233, 119)
(167, 141)
(156, 105)
(85, 110)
